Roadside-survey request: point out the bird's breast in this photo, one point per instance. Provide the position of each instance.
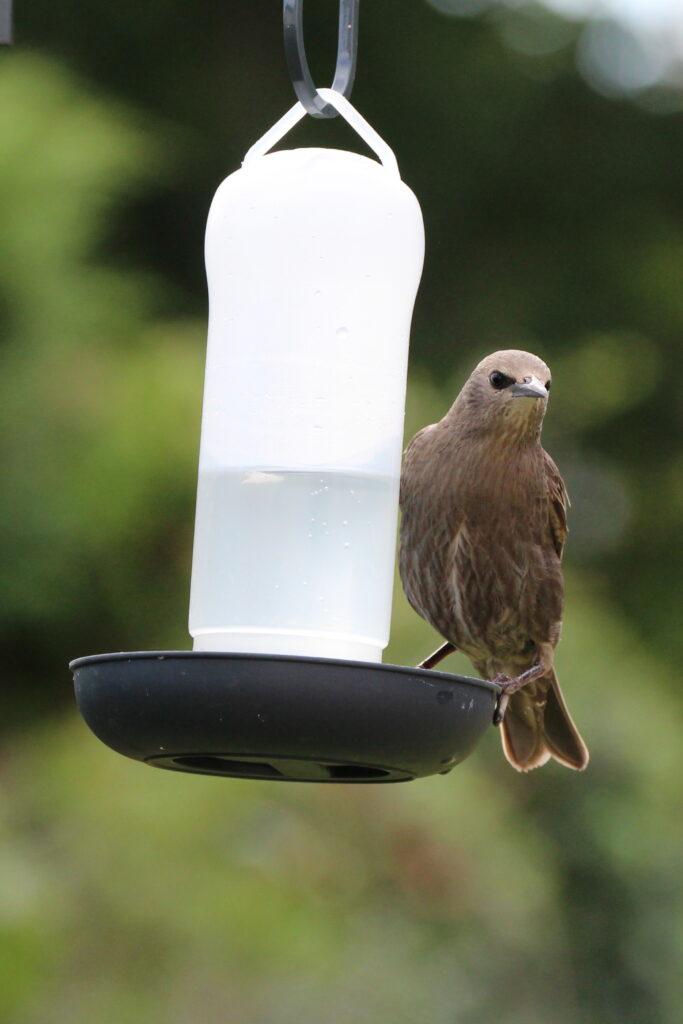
(506, 591)
(476, 556)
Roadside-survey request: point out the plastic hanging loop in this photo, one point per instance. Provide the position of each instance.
(350, 115)
(295, 52)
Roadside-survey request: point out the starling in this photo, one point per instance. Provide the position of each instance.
(482, 532)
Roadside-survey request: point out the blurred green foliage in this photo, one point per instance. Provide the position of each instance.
(554, 221)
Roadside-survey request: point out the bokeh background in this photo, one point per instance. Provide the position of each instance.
(545, 144)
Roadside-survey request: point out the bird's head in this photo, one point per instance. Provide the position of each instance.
(506, 395)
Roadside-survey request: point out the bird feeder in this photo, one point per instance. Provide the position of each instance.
(313, 261)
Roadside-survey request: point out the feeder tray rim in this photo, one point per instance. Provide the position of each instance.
(294, 713)
(441, 677)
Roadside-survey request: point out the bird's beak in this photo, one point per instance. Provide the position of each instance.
(531, 388)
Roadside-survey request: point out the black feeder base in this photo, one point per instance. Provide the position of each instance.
(284, 718)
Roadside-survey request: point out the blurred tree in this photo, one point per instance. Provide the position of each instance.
(101, 408)
(554, 221)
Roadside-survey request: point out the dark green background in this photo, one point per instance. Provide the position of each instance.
(554, 220)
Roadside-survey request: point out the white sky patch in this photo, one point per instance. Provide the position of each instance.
(637, 14)
(626, 46)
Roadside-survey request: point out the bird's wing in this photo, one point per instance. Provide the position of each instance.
(558, 503)
(413, 460)
(430, 523)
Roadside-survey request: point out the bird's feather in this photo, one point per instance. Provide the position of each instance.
(538, 726)
(558, 503)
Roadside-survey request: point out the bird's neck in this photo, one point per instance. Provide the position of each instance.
(516, 426)
(490, 469)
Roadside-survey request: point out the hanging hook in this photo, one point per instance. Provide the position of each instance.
(295, 52)
(6, 22)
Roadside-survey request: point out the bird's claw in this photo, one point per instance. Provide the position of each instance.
(502, 702)
(511, 684)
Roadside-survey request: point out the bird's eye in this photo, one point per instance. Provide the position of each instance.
(547, 385)
(500, 380)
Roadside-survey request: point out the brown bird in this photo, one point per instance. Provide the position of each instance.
(482, 532)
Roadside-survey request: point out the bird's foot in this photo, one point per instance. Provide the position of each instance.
(510, 685)
(505, 683)
(503, 698)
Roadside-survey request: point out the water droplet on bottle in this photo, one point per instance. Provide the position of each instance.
(345, 522)
(347, 544)
(317, 293)
(342, 333)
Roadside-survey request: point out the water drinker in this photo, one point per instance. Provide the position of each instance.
(313, 261)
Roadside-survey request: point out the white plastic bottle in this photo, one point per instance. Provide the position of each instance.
(313, 261)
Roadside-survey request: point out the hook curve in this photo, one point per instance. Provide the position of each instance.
(297, 64)
(6, 22)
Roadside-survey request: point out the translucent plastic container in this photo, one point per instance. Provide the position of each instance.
(313, 261)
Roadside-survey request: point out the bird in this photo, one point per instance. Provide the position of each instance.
(483, 527)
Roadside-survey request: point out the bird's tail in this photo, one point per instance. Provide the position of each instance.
(538, 726)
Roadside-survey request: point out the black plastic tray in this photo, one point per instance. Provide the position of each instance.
(282, 718)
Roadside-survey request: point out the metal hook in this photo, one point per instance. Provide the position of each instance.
(6, 22)
(295, 52)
